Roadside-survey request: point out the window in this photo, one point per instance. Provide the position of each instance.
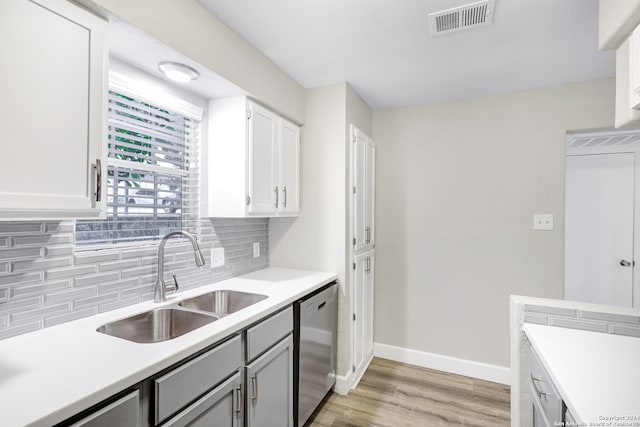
(152, 173)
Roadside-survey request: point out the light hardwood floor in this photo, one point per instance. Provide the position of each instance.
(395, 394)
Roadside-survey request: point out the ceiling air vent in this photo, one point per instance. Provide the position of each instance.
(461, 17)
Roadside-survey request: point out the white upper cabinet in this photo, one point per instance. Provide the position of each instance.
(52, 114)
(363, 170)
(263, 161)
(289, 168)
(253, 161)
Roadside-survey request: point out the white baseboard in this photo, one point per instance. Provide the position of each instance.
(343, 384)
(469, 368)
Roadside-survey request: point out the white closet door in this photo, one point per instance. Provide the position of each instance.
(599, 220)
(363, 311)
(370, 181)
(359, 181)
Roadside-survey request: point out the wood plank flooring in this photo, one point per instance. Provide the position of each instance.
(395, 394)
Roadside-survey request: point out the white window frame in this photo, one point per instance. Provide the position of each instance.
(146, 91)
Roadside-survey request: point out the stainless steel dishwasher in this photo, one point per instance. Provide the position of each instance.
(315, 338)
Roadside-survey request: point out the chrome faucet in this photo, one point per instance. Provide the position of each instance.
(161, 288)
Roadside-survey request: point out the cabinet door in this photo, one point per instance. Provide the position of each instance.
(221, 407)
(52, 116)
(270, 387)
(363, 175)
(369, 192)
(359, 141)
(363, 311)
(263, 163)
(289, 165)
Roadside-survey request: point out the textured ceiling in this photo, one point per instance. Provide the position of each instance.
(384, 49)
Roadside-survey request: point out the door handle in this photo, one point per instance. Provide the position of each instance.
(625, 263)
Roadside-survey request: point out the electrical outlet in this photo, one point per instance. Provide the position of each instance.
(543, 222)
(256, 249)
(217, 257)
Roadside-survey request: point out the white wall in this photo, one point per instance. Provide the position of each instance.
(457, 186)
(189, 28)
(317, 239)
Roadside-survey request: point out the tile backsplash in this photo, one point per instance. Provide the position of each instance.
(585, 320)
(44, 280)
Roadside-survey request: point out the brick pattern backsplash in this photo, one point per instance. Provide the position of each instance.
(44, 280)
(585, 320)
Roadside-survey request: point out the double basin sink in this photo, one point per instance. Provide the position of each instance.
(165, 323)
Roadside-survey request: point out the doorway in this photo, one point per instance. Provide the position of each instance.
(601, 213)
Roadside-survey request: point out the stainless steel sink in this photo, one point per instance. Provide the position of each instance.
(222, 302)
(160, 324)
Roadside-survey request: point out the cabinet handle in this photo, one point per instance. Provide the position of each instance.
(538, 392)
(367, 234)
(238, 405)
(276, 191)
(254, 388)
(98, 180)
(284, 190)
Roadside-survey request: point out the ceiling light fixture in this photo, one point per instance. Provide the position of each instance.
(178, 72)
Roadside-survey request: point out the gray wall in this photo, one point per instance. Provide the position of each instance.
(457, 185)
(43, 281)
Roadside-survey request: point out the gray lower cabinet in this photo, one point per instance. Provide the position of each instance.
(546, 401)
(125, 411)
(269, 371)
(198, 377)
(270, 387)
(220, 407)
(218, 387)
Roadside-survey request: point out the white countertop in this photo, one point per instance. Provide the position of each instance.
(597, 374)
(51, 374)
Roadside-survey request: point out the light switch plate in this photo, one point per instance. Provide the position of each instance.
(217, 257)
(256, 249)
(543, 222)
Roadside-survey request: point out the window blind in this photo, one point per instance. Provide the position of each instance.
(152, 174)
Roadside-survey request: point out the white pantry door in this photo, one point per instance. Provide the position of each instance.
(599, 219)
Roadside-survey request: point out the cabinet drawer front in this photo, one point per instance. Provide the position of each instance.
(220, 407)
(123, 412)
(185, 383)
(268, 332)
(544, 390)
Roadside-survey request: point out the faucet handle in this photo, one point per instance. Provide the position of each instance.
(175, 286)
